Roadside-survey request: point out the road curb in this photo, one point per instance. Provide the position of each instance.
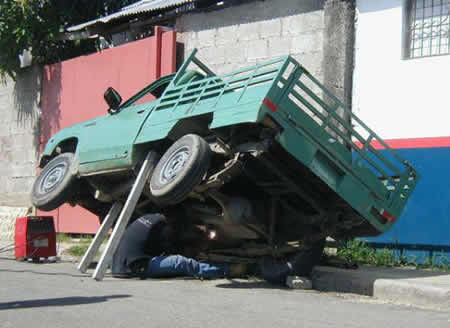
(421, 288)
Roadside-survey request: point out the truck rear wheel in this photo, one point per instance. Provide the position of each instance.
(52, 188)
(180, 169)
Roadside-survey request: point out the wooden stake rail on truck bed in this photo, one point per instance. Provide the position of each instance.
(375, 182)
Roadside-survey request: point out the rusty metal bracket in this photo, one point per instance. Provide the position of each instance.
(232, 168)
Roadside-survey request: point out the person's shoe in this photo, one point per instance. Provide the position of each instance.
(237, 270)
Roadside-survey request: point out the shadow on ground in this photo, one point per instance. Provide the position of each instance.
(252, 284)
(45, 273)
(62, 301)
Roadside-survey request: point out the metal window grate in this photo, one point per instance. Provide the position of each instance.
(429, 32)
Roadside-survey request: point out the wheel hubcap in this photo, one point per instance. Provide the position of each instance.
(174, 165)
(52, 178)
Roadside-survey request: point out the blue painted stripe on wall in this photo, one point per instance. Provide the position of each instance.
(426, 218)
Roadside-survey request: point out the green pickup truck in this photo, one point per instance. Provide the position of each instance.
(259, 161)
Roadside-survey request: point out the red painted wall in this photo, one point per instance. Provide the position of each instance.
(72, 91)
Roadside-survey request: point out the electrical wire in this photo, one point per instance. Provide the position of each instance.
(12, 246)
(6, 250)
(7, 246)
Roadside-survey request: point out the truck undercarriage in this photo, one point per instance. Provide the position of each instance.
(256, 200)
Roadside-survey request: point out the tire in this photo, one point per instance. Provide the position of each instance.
(52, 188)
(180, 169)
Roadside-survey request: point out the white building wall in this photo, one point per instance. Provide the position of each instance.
(397, 98)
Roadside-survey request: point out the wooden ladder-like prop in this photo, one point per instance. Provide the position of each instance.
(123, 214)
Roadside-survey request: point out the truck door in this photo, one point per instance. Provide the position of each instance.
(111, 137)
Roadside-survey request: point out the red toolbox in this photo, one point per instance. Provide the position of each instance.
(35, 237)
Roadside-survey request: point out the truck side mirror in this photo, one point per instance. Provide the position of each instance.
(112, 98)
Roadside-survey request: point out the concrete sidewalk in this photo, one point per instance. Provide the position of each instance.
(422, 288)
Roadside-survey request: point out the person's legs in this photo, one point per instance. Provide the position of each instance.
(177, 265)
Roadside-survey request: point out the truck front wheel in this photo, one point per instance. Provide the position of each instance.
(52, 188)
(180, 169)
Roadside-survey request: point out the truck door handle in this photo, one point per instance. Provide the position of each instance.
(141, 111)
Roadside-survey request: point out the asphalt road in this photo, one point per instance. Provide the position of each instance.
(56, 295)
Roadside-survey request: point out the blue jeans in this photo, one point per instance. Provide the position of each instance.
(177, 266)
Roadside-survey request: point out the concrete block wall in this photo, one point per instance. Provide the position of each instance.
(19, 138)
(317, 33)
(237, 36)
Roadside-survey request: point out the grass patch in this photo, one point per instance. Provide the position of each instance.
(78, 250)
(86, 239)
(63, 238)
(359, 252)
(81, 244)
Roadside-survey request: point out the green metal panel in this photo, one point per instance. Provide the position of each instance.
(111, 136)
(59, 137)
(373, 183)
(233, 98)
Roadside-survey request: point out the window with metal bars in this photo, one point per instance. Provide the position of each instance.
(428, 28)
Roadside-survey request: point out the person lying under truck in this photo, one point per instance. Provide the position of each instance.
(147, 244)
(146, 251)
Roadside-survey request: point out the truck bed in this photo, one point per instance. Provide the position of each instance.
(316, 129)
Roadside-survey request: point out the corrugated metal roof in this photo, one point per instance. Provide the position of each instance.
(139, 7)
